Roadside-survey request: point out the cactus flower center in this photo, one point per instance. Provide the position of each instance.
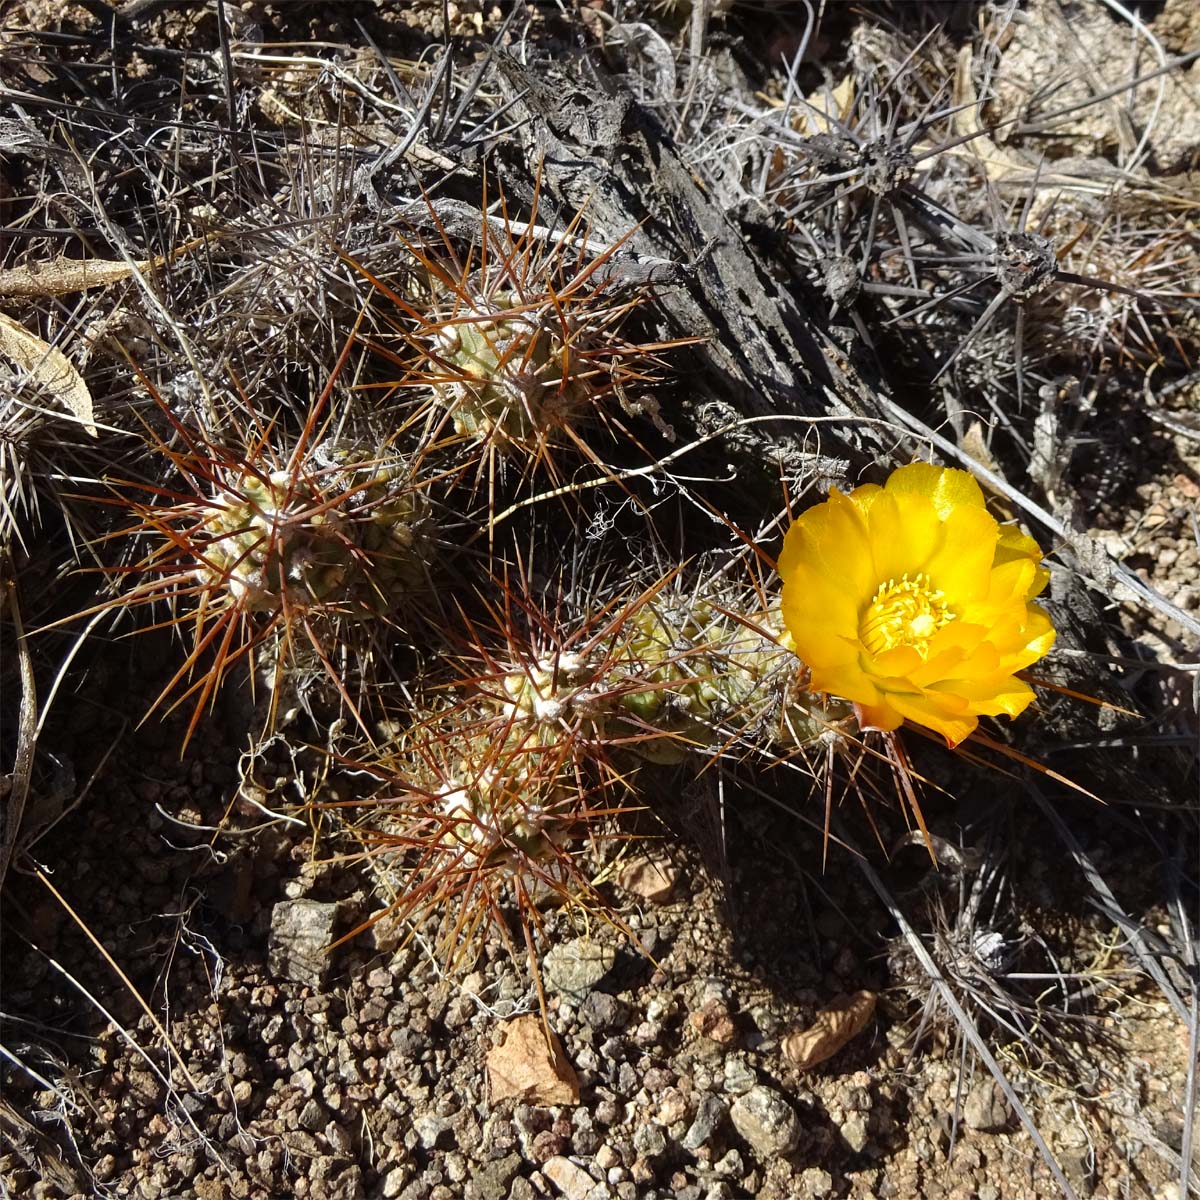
(904, 612)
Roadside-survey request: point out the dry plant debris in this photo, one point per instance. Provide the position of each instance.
(834, 1026)
(48, 368)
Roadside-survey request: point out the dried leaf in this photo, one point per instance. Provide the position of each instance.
(824, 108)
(998, 163)
(50, 367)
(833, 1028)
(974, 444)
(18, 781)
(60, 276)
(530, 1067)
(652, 879)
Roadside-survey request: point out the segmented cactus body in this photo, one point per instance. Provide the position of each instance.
(677, 680)
(497, 792)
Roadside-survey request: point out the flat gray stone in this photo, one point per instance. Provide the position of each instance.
(436, 1133)
(739, 1075)
(709, 1115)
(572, 1180)
(650, 1140)
(301, 934)
(816, 1182)
(394, 1181)
(492, 1180)
(986, 1107)
(312, 1117)
(602, 1011)
(574, 968)
(854, 1130)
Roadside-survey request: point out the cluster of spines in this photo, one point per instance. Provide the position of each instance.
(547, 744)
(268, 555)
(515, 345)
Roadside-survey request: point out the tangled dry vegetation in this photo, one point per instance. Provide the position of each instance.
(401, 410)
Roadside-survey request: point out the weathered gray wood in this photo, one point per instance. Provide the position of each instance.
(761, 353)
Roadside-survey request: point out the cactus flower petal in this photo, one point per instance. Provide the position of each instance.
(913, 603)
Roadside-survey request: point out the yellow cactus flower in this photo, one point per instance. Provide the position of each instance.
(911, 601)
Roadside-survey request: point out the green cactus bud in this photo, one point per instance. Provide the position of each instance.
(678, 677)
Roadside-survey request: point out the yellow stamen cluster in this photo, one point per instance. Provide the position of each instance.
(907, 612)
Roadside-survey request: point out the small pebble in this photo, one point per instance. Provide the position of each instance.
(709, 1115)
(574, 968)
(986, 1107)
(573, 1181)
(767, 1121)
(739, 1075)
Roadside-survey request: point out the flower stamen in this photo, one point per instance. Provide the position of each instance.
(904, 612)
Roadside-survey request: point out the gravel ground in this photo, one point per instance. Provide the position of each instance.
(363, 1072)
